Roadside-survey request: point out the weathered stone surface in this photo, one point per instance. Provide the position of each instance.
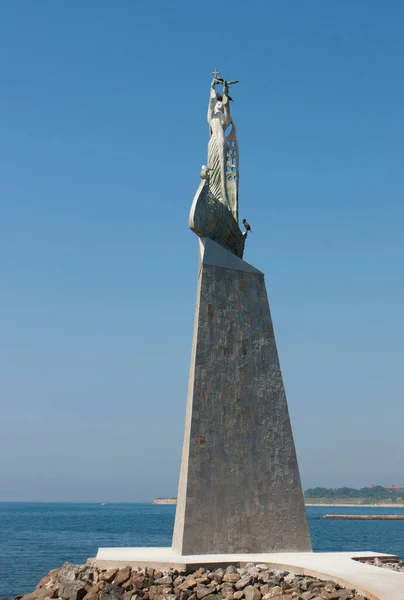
(111, 592)
(239, 485)
(231, 577)
(122, 576)
(188, 583)
(218, 576)
(275, 591)
(72, 590)
(165, 580)
(252, 593)
(131, 595)
(202, 591)
(216, 596)
(227, 590)
(243, 582)
(159, 590)
(108, 575)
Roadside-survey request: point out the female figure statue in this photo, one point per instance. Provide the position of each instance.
(223, 148)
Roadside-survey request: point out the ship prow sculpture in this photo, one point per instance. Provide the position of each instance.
(214, 211)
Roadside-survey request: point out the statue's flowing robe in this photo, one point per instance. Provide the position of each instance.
(223, 154)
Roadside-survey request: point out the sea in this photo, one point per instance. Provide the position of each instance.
(35, 538)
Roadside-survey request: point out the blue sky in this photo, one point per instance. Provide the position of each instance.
(103, 131)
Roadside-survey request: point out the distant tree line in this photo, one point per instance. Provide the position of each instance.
(372, 493)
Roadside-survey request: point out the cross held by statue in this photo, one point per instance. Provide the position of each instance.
(215, 73)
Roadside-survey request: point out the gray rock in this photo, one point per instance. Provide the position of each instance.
(290, 578)
(108, 575)
(218, 576)
(73, 590)
(275, 591)
(243, 582)
(231, 576)
(165, 580)
(202, 591)
(227, 590)
(188, 583)
(122, 576)
(252, 593)
(111, 592)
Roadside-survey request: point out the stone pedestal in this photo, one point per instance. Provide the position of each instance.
(239, 489)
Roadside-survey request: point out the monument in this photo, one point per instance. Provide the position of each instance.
(240, 499)
(239, 488)
(239, 496)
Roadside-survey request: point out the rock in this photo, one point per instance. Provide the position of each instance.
(289, 579)
(159, 590)
(307, 595)
(243, 582)
(252, 593)
(111, 592)
(108, 575)
(231, 577)
(137, 581)
(238, 595)
(130, 595)
(127, 586)
(68, 572)
(183, 594)
(73, 590)
(202, 591)
(122, 576)
(188, 583)
(275, 591)
(213, 597)
(165, 580)
(92, 594)
(199, 572)
(218, 576)
(227, 590)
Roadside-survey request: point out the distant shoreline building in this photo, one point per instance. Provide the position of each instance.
(165, 501)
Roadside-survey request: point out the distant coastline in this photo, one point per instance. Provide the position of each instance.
(357, 505)
(342, 504)
(371, 497)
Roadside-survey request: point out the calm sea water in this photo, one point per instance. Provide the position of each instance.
(35, 538)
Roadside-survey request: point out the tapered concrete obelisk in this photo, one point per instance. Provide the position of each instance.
(239, 489)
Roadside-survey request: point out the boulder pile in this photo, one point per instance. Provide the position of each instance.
(252, 582)
(397, 565)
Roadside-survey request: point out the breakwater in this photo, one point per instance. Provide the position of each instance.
(365, 517)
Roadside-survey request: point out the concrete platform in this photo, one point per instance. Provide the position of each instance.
(374, 582)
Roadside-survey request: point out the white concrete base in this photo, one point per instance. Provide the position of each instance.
(374, 582)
